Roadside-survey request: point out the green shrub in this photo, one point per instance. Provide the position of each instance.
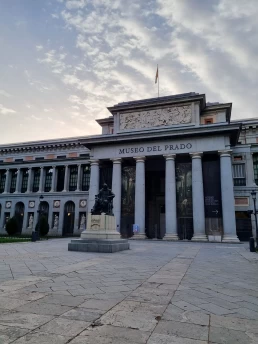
(12, 226)
(42, 226)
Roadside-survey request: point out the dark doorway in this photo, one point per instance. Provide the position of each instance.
(184, 198)
(155, 198)
(44, 209)
(19, 214)
(243, 225)
(69, 212)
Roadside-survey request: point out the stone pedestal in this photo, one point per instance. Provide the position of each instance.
(100, 236)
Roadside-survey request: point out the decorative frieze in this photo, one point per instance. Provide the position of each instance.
(156, 118)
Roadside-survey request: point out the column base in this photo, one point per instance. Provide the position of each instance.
(138, 236)
(199, 237)
(230, 238)
(171, 237)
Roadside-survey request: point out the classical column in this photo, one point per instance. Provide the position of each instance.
(29, 185)
(198, 198)
(53, 181)
(41, 179)
(170, 198)
(18, 181)
(79, 177)
(66, 178)
(139, 213)
(7, 181)
(94, 183)
(116, 188)
(227, 195)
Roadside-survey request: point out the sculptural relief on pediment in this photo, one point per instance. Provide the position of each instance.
(156, 118)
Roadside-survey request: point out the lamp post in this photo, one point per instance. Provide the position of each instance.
(253, 194)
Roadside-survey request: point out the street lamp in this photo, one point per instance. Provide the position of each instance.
(253, 194)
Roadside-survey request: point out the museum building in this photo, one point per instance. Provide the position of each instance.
(179, 167)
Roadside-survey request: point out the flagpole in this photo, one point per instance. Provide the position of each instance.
(158, 82)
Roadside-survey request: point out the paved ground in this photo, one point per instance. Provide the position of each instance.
(156, 293)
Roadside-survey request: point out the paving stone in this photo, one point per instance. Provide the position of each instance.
(65, 327)
(40, 307)
(233, 323)
(120, 333)
(9, 334)
(220, 335)
(83, 314)
(177, 314)
(99, 340)
(10, 303)
(180, 329)
(185, 305)
(64, 300)
(103, 305)
(166, 339)
(214, 309)
(23, 320)
(41, 338)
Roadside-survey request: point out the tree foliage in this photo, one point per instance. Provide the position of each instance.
(12, 226)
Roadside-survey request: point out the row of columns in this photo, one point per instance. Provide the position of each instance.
(227, 194)
(41, 181)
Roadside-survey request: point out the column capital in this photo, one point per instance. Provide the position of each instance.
(78, 165)
(139, 158)
(169, 156)
(94, 162)
(42, 167)
(225, 153)
(117, 161)
(196, 155)
(53, 166)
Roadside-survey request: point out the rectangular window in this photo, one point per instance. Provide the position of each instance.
(2, 181)
(36, 179)
(60, 178)
(48, 180)
(255, 163)
(85, 177)
(73, 178)
(13, 181)
(239, 174)
(25, 177)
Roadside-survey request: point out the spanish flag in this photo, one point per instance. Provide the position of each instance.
(157, 74)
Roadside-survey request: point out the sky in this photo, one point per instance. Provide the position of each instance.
(62, 62)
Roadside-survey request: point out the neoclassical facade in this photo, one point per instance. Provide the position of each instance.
(179, 167)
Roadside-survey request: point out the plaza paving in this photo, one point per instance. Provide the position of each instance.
(155, 293)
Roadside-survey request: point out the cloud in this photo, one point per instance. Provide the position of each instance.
(39, 47)
(75, 4)
(6, 111)
(4, 93)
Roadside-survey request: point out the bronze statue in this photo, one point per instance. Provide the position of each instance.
(103, 202)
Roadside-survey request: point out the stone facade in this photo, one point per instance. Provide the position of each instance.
(153, 136)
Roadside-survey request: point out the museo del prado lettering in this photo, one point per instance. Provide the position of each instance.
(155, 148)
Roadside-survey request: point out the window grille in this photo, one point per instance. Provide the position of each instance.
(25, 177)
(48, 180)
(2, 181)
(13, 181)
(85, 177)
(73, 178)
(36, 180)
(239, 174)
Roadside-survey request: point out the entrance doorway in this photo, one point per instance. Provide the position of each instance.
(69, 212)
(184, 199)
(19, 214)
(44, 209)
(243, 225)
(155, 198)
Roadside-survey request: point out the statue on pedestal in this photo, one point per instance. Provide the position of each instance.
(103, 202)
(56, 220)
(82, 223)
(31, 219)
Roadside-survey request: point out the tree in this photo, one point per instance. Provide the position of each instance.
(12, 226)
(42, 226)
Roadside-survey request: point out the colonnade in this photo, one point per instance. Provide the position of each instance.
(227, 195)
(42, 178)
